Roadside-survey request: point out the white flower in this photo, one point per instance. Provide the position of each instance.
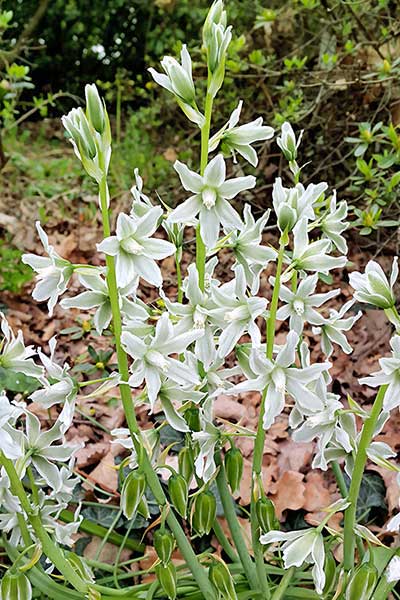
(373, 286)
(152, 360)
(392, 572)
(278, 377)
(287, 142)
(171, 394)
(141, 203)
(293, 204)
(8, 415)
(299, 307)
(98, 297)
(53, 272)
(302, 546)
(394, 523)
(135, 250)
(178, 80)
(332, 224)
(239, 139)
(312, 256)
(210, 200)
(236, 313)
(247, 249)
(331, 329)
(14, 356)
(388, 375)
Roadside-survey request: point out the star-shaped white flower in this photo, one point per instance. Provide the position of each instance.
(388, 375)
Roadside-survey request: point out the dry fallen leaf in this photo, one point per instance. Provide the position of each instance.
(289, 492)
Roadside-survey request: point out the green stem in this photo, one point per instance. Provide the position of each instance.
(283, 585)
(205, 136)
(126, 397)
(50, 549)
(358, 471)
(260, 437)
(233, 522)
(223, 540)
(179, 278)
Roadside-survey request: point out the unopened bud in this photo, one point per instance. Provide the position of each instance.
(221, 578)
(15, 586)
(186, 463)
(286, 217)
(362, 582)
(178, 493)
(234, 468)
(205, 511)
(266, 517)
(132, 492)
(166, 575)
(94, 108)
(164, 545)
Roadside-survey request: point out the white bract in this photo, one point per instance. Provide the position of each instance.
(373, 287)
(135, 250)
(302, 546)
(210, 200)
(238, 139)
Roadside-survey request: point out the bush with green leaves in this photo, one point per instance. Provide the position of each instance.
(180, 354)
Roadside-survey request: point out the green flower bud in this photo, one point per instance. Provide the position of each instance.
(89, 146)
(362, 582)
(178, 493)
(132, 492)
(94, 108)
(15, 586)
(234, 468)
(222, 580)
(166, 575)
(204, 513)
(266, 517)
(186, 463)
(286, 218)
(164, 544)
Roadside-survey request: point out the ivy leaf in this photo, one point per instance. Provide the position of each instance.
(371, 498)
(17, 382)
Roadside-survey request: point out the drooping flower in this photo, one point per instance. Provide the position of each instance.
(14, 355)
(300, 305)
(331, 329)
(247, 249)
(236, 313)
(312, 256)
(373, 287)
(141, 203)
(388, 375)
(210, 200)
(279, 377)
(238, 139)
(53, 272)
(333, 225)
(178, 80)
(299, 547)
(135, 250)
(152, 360)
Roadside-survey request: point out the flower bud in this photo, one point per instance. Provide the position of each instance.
(132, 492)
(204, 513)
(166, 575)
(362, 582)
(186, 463)
(287, 142)
(164, 544)
(178, 493)
(15, 586)
(287, 217)
(94, 108)
(234, 468)
(221, 578)
(266, 517)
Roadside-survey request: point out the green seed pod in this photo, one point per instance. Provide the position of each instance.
(330, 573)
(221, 578)
(204, 513)
(192, 418)
(94, 108)
(166, 575)
(186, 463)
(15, 586)
(178, 493)
(266, 517)
(164, 544)
(132, 492)
(234, 468)
(143, 508)
(362, 582)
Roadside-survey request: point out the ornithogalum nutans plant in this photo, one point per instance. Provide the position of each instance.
(174, 353)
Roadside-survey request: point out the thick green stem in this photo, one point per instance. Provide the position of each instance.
(205, 136)
(358, 471)
(178, 278)
(223, 540)
(260, 437)
(234, 525)
(50, 548)
(279, 593)
(126, 397)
